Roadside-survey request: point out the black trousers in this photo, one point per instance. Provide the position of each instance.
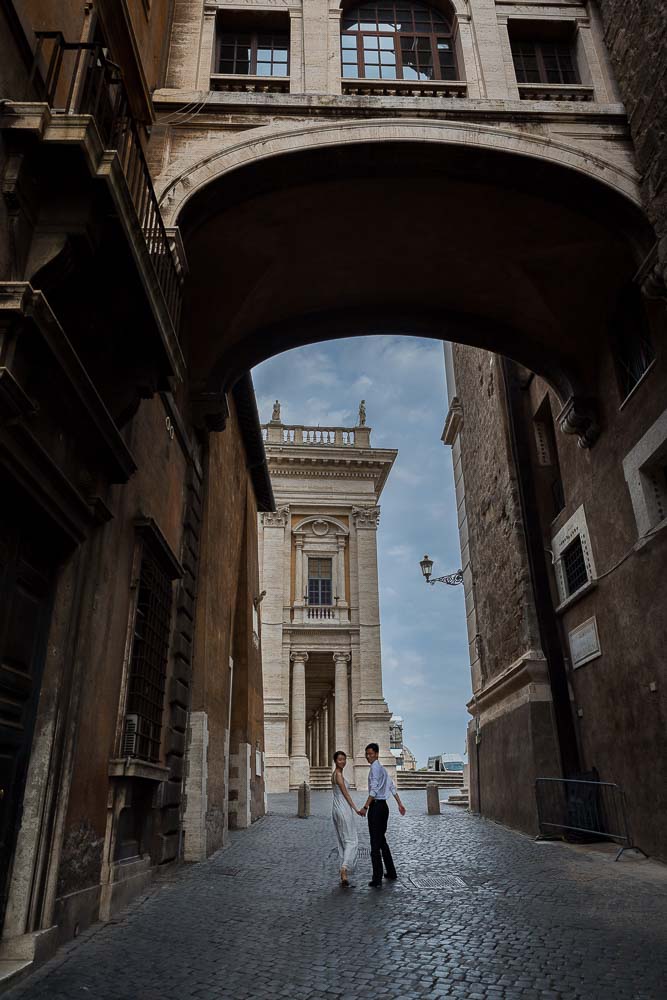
(378, 817)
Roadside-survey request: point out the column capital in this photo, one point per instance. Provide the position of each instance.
(299, 656)
(366, 517)
(276, 518)
(341, 657)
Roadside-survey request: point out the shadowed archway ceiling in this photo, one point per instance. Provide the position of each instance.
(513, 254)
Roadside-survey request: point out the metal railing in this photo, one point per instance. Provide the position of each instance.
(587, 808)
(79, 78)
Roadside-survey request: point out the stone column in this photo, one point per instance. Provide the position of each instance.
(299, 768)
(298, 583)
(316, 739)
(370, 712)
(341, 661)
(340, 559)
(309, 743)
(325, 734)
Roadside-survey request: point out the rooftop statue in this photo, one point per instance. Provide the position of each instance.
(362, 414)
(275, 416)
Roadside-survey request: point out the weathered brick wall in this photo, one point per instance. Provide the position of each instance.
(503, 596)
(636, 35)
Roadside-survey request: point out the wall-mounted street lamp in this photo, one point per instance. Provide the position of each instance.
(453, 579)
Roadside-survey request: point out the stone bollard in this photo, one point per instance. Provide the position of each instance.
(432, 799)
(304, 800)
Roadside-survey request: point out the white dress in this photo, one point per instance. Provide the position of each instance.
(344, 820)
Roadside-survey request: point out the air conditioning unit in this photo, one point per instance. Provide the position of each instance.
(130, 736)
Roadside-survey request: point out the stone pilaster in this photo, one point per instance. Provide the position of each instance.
(299, 766)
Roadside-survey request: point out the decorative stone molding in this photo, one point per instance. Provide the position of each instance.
(453, 421)
(366, 517)
(341, 655)
(299, 656)
(527, 679)
(577, 417)
(184, 178)
(323, 519)
(276, 518)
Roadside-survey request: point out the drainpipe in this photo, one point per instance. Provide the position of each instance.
(539, 574)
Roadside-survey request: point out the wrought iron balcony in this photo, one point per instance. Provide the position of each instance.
(78, 78)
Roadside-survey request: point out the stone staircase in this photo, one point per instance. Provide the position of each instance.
(320, 778)
(458, 800)
(410, 780)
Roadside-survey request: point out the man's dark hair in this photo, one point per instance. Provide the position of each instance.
(373, 746)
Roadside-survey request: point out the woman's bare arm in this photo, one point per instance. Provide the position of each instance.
(340, 781)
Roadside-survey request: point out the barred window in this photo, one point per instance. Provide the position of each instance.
(574, 566)
(319, 581)
(253, 53)
(397, 41)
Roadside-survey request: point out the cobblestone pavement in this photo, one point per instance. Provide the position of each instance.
(265, 919)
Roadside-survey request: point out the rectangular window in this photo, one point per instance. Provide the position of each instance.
(319, 581)
(148, 663)
(574, 566)
(544, 61)
(633, 353)
(253, 53)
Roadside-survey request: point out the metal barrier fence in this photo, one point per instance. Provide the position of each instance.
(593, 808)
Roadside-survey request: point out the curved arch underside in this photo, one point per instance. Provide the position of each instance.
(514, 254)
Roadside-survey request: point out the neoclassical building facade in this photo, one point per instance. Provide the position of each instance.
(320, 614)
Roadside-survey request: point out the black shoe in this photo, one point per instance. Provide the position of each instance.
(392, 878)
(375, 885)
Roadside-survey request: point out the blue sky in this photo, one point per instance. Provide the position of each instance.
(424, 648)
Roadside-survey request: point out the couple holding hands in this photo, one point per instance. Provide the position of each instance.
(380, 788)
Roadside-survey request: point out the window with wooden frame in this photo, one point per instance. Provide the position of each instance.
(544, 51)
(397, 41)
(319, 582)
(259, 47)
(147, 676)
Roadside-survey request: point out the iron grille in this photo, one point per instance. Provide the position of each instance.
(148, 666)
(574, 566)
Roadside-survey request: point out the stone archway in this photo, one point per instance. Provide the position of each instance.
(483, 235)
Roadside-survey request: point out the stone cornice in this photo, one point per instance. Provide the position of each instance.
(527, 679)
(453, 421)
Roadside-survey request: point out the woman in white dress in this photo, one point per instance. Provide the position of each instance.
(344, 811)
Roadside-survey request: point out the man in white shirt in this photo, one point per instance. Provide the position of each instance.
(380, 787)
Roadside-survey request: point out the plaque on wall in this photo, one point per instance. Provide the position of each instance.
(584, 643)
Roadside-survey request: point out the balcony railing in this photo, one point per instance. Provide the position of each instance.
(406, 88)
(242, 83)
(78, 78)
(556, 92)
(335, 437)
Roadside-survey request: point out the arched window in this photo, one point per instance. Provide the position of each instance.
(397, 41)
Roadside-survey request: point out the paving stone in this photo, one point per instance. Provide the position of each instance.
(535, 922)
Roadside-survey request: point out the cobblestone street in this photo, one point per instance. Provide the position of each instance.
(264, 918)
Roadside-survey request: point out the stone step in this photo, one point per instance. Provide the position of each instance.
(419, 779)
(457, 800)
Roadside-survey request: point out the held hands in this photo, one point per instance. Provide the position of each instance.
(362, 811)
(401, 808)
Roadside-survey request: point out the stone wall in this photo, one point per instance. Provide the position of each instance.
(636, 35)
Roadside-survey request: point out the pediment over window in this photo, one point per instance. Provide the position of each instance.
(321, 526)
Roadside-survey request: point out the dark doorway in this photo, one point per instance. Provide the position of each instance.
(26, 575)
